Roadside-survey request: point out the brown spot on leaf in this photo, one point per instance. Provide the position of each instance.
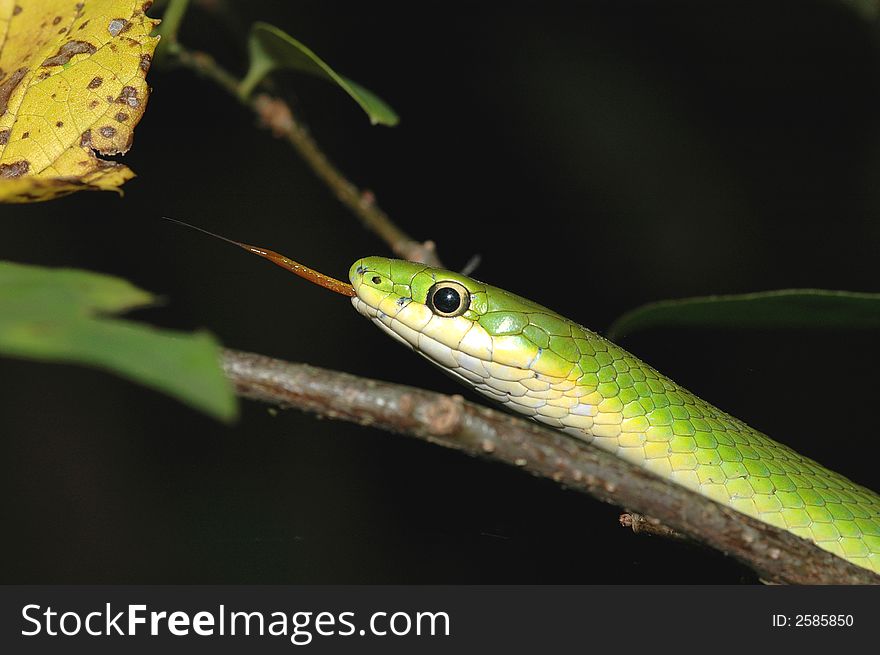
(93, 104)
(128, 96)
(26, 135)
(62, 30)
(146, 60)
(16, 10)
(8, 87)
(56, 20)
(107, 132)
(121, 117)
(4, 137)
(67, 51)
(15, 169)
(85, 141)
(83, 25)
(44, 75)
(116, 26)
(146, 6)
(96, 82)
(59, 124)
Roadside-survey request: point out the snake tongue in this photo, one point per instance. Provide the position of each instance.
(286, 263)
(302, 270)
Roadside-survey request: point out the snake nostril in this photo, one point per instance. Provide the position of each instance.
(377, 279)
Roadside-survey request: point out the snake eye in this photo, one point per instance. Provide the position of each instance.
(448, 299)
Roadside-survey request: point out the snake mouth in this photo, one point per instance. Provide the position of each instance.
(356, 277)
(364, 309)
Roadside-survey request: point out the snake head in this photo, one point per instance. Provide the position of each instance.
(416, 304)
(451, 318)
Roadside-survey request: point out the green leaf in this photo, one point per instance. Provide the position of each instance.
(785, 308)
(64, 315)
(270, 48)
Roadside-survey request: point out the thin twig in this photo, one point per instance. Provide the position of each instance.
(775, 554)
(275, 115)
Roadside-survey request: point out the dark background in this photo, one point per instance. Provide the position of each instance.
(598, 155)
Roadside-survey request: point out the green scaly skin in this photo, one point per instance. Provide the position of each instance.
(555, 371)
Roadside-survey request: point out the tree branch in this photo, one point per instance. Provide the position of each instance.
(452, 422)
(275, 115)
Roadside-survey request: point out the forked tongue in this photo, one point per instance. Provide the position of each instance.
(286, 263)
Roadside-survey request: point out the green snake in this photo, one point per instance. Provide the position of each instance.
(537, 363)
(549, 368)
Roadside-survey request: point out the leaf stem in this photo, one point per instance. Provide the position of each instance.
(254, 76)
(172, 17)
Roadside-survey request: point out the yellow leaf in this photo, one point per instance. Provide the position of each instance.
(71, 84)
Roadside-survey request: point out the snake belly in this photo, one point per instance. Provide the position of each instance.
(553, 370)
